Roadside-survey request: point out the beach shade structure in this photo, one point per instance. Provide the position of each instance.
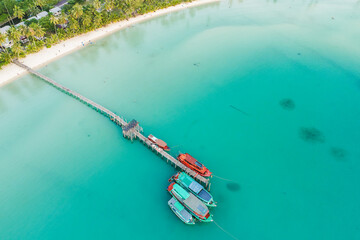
(41, 15)
(131, 128)
(3, 30)
(62, 3)
(31, 19)
(56, 11)
(20, 24)
(24, 39)
(7, 43)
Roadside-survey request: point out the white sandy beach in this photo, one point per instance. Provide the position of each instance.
(46, 55)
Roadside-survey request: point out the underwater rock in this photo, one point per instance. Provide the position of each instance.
(234, 187)
(311, 135)
(287, 104)
(338, 153)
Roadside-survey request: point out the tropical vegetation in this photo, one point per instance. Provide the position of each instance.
(77, 17)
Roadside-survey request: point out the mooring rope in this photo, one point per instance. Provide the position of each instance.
(229, 234)
(175, 146)
(225, 179)
(239, 110)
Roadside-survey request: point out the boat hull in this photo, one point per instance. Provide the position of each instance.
(193, 164)
(182, 214)
(194, 187)
(158, 142)
(206, 218)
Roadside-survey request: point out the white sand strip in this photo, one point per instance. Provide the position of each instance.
(46, 55)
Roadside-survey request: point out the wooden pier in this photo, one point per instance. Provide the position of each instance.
(131, 130)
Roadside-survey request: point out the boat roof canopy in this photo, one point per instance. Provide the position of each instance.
(179, 206)
(192, 160)
(186, 179)
(132, 124)
(160, 143)
(182, 192)
(196, 187)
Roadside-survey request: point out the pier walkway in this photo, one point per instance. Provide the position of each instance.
(131, 130)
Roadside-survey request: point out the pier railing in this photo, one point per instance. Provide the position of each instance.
(131, 130)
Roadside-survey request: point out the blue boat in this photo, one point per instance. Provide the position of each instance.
(180, 211)
(194, 187)
(196, 207)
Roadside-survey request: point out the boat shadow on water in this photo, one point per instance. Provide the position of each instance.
(233, 186)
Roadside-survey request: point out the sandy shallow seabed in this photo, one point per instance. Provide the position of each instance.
(12, 71)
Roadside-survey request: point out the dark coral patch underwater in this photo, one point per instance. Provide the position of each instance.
(338, 153)
(287, 104)
(312, 135)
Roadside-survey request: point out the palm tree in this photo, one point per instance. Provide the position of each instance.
(97, 20)
(77, 11)
(119, 3)
(97, 4)
(16, 48)
(6, 57)
(74, 25)
(136, 4)
(109, 5)
(39, 3)
(9, 15)
(23, 30)
(2, 38)
(18, 12)
(129, 7)
(31, 33)
(32, 9)
(54, 39)
(54, 20)
(14, 34)
(125, 7)
(87, 21)
(62, 19)
(38, 30)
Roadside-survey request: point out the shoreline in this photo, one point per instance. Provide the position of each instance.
(11, 71)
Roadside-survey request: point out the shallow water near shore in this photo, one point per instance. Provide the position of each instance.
(264, 93)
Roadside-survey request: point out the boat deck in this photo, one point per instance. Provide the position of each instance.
(196, 205)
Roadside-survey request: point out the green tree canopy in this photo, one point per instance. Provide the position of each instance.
(18, 12)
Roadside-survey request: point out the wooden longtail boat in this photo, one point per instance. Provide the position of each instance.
(197, 208)
(197, 189)
(160, 143)
(180, 211)
(194, 164)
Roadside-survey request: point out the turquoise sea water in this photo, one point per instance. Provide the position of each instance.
(209, 81)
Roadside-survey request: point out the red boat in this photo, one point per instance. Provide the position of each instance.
(194, 164)
(160, 143)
